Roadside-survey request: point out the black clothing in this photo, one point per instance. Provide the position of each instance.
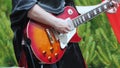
(19, 21)
(19, 17)
(52, 6)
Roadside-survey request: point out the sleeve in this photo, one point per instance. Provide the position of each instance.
(19, 17)
(19, 12)
(19, 20)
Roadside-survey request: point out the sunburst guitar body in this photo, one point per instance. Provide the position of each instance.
(46, 43)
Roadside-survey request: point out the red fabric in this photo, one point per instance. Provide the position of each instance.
(22, 61)
(114, 20)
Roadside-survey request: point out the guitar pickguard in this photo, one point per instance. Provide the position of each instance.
(65, 38)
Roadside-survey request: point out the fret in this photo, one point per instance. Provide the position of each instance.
(88, 14)
(100, 10)
(80, 19)
(95, 12)
(78, 22)
(91, 13)
(83, 18)
(74, 22)
(105, 6)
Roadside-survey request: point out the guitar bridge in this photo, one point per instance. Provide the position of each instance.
(49, 36)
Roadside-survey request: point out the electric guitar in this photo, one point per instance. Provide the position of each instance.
(47, 44)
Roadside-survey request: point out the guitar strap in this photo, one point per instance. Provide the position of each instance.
(27, 51)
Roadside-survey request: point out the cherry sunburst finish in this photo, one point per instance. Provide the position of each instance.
(43, 42)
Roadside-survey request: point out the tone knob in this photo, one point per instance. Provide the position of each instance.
(56, 55)
(43, 52)
(49, 58)
(51, 49)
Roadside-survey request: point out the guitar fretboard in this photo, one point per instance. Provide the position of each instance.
(91, 14)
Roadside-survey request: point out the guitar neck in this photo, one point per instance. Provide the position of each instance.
(91, 14)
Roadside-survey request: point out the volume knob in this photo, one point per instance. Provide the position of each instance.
(49, 58)
(43, 52)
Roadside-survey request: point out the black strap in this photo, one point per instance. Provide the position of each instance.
(28, 52)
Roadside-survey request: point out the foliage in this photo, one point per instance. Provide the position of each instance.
(7, 57)
(99, 45)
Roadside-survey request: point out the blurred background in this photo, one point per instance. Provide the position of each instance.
(99, 45)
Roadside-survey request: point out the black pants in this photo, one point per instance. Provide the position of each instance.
(72, 59)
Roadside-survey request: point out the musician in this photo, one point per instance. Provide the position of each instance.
(43, 11)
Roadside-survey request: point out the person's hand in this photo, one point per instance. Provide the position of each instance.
(62, 26)
(114, 7)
